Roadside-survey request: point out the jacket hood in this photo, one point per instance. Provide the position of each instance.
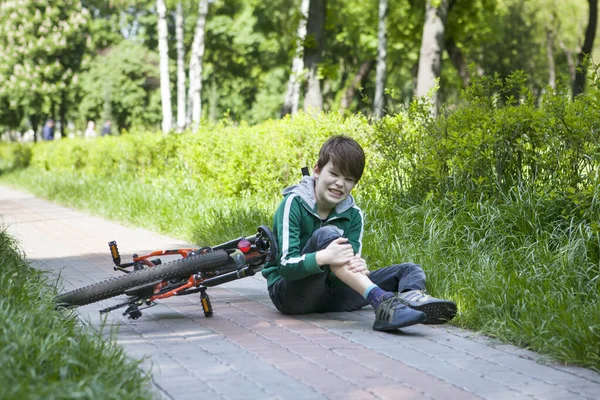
(306, 190)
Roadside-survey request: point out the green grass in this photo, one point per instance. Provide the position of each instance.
(184, 210)
(47, 354)
(522, 269)
(514, 274)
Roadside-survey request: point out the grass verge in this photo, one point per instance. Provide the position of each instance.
(514, 274)
(47, 356)
(520, 270)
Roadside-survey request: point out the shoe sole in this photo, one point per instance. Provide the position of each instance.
(387, 327)
(437, 313)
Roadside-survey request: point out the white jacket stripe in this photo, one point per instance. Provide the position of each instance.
(362, 228)
(286, 234)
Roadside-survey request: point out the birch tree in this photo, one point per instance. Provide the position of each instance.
(315, 31)
(381, 59)
(292, 97)
(550, 55)
(195, 73)
(165, 81)
(181, 100)
(432, 46)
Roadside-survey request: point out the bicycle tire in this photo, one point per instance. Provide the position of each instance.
(177, 269)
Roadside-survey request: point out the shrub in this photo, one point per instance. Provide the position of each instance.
(231, 160)
(14, 156)
(500, 140)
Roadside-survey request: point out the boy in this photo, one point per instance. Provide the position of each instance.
(320, 269)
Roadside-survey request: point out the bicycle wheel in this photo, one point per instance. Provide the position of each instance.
(178, 269)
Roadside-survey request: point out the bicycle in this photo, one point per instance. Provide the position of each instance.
(146, 281)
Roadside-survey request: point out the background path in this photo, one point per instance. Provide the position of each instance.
(250, 351)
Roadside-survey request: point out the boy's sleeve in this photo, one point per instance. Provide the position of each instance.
(357, 228)
(288, 222)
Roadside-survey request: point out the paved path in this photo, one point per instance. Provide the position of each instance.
(250, 351)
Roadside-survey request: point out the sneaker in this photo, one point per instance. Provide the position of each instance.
(392, 314)
(438, 311)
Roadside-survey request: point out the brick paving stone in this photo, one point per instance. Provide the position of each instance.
(248, 350)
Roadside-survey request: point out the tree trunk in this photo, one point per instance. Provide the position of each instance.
(35, 122)
(165, 81)
(313, 101)
(550, 56)
(362, 73)
(381, 59)
(62, 114)
(456, 56)
(292, 97)
(570, 62)
(588, 44)
(430, 56)
(458, 60)
(181, 100)
(196, 65)
(213, 102)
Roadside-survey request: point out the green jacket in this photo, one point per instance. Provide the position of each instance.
(295, 221)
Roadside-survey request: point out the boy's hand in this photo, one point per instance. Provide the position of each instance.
(339, 252)
(358, 265)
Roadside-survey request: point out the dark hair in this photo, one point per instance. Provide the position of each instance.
(345, 154)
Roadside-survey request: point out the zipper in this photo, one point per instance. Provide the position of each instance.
(327, 221)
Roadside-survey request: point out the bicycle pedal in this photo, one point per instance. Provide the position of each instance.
(133, 312)
(206, 303)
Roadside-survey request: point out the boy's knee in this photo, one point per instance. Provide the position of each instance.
(321, 238)
(329, 230)
(325, 235)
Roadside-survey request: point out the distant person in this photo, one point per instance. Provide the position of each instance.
(90, 130)
(48, 130)
(106, 128)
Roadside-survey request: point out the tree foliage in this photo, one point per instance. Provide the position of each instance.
(121, 84)
(42, 47)
(250, 45)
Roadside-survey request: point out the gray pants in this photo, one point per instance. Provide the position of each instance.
(323, 292)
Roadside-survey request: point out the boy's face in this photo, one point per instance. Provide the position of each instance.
(331, 186)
